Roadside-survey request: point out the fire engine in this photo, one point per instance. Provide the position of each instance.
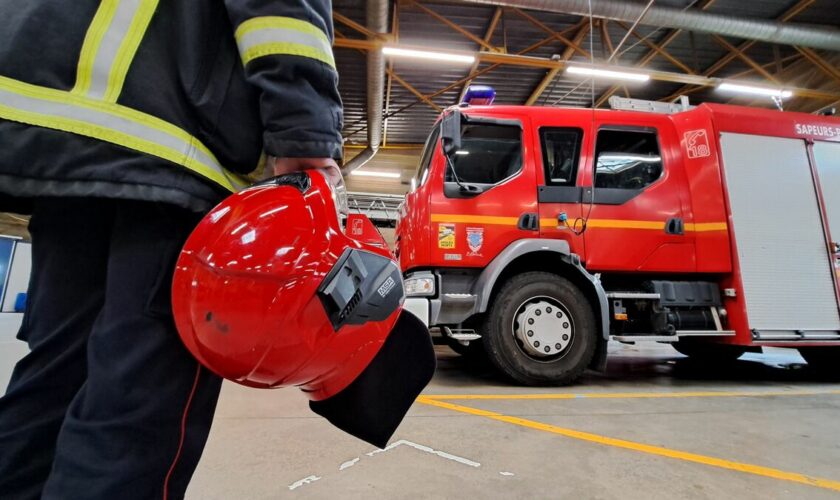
(533, 235)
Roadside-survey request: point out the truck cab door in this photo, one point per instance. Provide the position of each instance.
(484, 199)
(636, 193)
(562, 155)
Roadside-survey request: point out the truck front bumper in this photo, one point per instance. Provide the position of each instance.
(418, 306)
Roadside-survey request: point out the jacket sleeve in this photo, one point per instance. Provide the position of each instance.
(286, 48)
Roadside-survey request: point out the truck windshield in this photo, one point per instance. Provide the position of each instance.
(426, 160)
(489, 154)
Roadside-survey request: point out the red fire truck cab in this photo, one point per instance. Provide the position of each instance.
(533, 235)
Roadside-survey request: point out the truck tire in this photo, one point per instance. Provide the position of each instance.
(709, 352)
(823, 360)
(561, 341)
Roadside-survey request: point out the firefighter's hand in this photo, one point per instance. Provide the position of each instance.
(282, 166)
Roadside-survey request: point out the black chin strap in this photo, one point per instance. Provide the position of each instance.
(372, 407)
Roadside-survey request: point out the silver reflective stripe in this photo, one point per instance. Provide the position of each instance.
(286, 38)
(110, 46)
(112, 123)
(276, 35)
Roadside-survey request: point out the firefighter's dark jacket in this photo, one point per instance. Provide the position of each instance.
(160, 100)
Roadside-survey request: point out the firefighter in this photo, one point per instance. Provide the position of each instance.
(121, 123)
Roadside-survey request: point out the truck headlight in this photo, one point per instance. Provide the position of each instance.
(420, 286)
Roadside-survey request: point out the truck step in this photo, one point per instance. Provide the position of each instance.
(461, 334)
(633, 295)
(675, 337)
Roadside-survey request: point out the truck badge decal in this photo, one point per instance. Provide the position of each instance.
(446, 235)
(475, 239)
(358, 227)
(452, 256)
(697, 144)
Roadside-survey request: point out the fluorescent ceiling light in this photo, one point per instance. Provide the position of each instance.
(462, 152)
(376, 173)
(608, 73)
(432, 56)
(748, 89)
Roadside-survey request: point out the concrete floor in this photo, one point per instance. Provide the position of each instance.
(694, 445)
(763, 427)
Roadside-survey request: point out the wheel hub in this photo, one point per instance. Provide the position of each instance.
(543, 328)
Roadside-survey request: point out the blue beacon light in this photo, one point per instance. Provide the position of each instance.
(479, 95)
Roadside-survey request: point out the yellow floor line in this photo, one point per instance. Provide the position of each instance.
(641, 447)
(632, 395)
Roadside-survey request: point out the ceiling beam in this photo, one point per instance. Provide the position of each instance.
(782, 61)
(354, 25)
(721, 63)
(824, 66)
(540, 62)
(549, 77)
(607, 41)
(558, 35)
(488, 36)
(650, 56)
(745, 58)
(413, 90)
(454, 26)
(659, 50)
(457, 83)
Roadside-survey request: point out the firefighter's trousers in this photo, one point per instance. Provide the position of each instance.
(108, 404)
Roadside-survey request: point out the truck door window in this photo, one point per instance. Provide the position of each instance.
(627, 159)
(561, 154)
(489, 154)
(426, 160)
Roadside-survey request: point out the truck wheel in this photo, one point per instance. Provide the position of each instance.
(540, 330)
(823, 360)
(706, 351)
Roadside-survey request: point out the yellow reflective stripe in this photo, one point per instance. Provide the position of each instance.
(475, 219)
(702, 227)
(128, 48)
(262, 36)
(277, 22)
(625, 224)
(114, 137)
(209, 168)
(591, 223)
(290, 49)
(90, 47)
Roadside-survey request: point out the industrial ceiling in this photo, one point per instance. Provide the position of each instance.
(522, 53)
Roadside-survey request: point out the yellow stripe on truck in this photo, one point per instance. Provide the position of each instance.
(696, 227)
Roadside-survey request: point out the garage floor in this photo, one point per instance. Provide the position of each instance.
(654, 426)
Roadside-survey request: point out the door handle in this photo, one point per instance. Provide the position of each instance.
(675, 225)
(529, 222)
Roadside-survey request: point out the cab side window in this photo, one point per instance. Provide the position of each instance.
(489, 154)
(627, 159)
(561, 155)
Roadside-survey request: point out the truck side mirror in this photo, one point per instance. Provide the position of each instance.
(450, 132)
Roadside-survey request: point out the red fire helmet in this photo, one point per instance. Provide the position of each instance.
(270, 292)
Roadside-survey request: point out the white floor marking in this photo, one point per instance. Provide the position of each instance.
(306, 480)
(348, 464)
(387, 448)
(507, 473)
(442, 454)
(423, 448)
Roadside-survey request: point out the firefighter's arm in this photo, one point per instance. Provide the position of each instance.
(286, 47)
